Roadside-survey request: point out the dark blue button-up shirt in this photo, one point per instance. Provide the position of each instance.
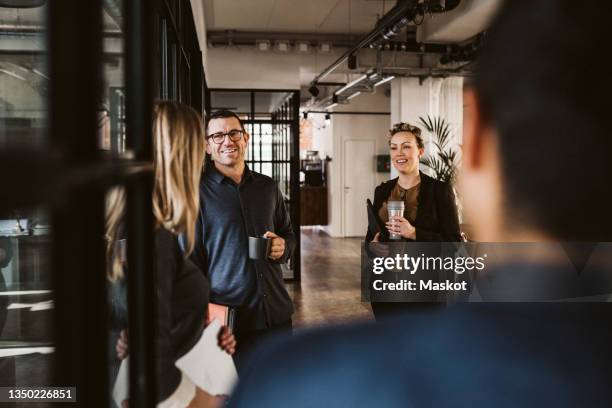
(229, 214)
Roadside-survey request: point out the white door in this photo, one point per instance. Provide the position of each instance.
(359, 172)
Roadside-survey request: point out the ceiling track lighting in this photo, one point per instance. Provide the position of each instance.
(314, 91)
(352, 61)
(389, 26)
(351, 84)
(384, 80)
(354, 95)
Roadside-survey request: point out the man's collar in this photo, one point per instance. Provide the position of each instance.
(218, 177)
(213, 173)
(247, 175)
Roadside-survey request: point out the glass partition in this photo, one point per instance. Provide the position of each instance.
(24, 77)
(26, 296)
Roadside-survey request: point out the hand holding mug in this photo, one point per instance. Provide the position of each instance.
(277, 247)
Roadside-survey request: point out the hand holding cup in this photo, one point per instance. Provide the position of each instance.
(277, 248)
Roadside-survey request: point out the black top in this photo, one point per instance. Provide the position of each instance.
(229, 214)
(182, 301)
(436, 218)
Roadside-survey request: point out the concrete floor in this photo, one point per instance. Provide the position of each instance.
(330, 289)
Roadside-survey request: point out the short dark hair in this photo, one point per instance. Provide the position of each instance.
(553, 124)
(221, 114)
(407, 127)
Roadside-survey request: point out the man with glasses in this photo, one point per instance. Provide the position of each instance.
(237, 203)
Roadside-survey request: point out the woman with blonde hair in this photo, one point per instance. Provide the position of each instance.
(182, 289)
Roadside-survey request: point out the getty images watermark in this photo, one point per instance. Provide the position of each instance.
(486, 272)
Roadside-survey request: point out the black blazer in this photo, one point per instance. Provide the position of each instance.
(436, 219)
(182, 304)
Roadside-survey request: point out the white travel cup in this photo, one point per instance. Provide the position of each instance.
(395, 209)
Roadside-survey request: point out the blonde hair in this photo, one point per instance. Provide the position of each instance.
(179, 148)
(114, 214)
(178, 139)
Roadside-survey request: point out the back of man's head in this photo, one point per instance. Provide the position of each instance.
(543, 86)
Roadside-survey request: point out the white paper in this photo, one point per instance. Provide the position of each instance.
(121, 390)
(207, 365)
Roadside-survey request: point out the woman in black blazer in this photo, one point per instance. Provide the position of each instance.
(430, 212)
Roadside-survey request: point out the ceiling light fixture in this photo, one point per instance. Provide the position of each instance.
(14, 75)
(354, 95)
(39, 73)
(263, 45)
(283, 46)
(325, 47)
(352, 61)
(384, 80)
(351, 84)
(302, 46)
(314, 91)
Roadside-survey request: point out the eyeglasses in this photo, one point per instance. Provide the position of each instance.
(234, 135)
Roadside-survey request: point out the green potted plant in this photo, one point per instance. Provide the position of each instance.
(445, 160)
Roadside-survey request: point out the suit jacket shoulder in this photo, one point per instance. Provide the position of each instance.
(462, 351)
(382, 192)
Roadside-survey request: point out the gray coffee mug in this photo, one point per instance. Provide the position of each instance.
(259, 247)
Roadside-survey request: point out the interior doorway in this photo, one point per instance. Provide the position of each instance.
(358, 182)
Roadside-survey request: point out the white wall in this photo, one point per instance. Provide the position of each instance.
(330, 140)
(322, 135)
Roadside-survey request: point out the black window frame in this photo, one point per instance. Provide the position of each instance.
(70, 176)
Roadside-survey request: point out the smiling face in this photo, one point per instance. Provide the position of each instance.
(405, 152)
(227, 153)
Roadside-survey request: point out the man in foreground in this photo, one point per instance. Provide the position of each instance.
(536, 146)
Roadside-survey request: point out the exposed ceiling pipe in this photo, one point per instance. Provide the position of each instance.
(396, 13)
(223, 37)
(396, 18)
(21, 29)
